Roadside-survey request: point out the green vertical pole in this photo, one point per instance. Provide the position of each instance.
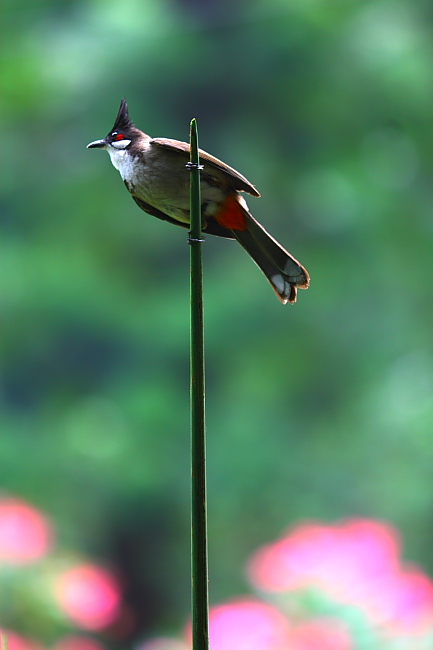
(199, 563)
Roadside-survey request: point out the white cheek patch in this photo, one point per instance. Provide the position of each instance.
(120, 144)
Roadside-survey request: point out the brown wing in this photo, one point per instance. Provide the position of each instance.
(241, 184)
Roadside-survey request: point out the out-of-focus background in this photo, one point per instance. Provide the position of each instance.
(320, 411)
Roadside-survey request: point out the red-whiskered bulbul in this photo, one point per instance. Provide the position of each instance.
(155, 173)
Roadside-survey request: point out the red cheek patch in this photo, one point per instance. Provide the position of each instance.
(231, 215)
(119, 136)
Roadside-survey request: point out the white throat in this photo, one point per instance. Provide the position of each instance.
(122, 159)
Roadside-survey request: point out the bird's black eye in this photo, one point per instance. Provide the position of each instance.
(114, 134)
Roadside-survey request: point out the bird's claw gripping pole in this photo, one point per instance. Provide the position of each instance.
(199, 563)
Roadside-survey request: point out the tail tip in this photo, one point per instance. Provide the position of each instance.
(287, 291)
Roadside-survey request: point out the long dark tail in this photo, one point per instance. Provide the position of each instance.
(283, 271)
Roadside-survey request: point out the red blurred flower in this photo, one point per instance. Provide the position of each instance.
(355, 562)
(25, 534)
(88, 595)
(247, 625)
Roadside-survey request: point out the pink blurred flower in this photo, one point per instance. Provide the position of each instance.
(88, 595)
(404, 599)
(320, 634)
(15, 641)
(77, 642)
(355, 562)
(332, 557)
(247, 624)
(25, 534)
(164, 643)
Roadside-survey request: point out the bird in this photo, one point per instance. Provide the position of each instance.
(155, 173)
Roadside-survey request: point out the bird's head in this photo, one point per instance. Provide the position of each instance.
(121, 135)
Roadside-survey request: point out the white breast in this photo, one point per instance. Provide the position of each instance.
(123, 161)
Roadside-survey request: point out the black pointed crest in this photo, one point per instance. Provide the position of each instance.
(122, 122)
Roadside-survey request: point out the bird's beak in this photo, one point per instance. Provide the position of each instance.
(97, 144)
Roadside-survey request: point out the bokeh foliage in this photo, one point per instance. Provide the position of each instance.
(321, 410)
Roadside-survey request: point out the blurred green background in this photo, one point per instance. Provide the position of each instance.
(322, 410)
